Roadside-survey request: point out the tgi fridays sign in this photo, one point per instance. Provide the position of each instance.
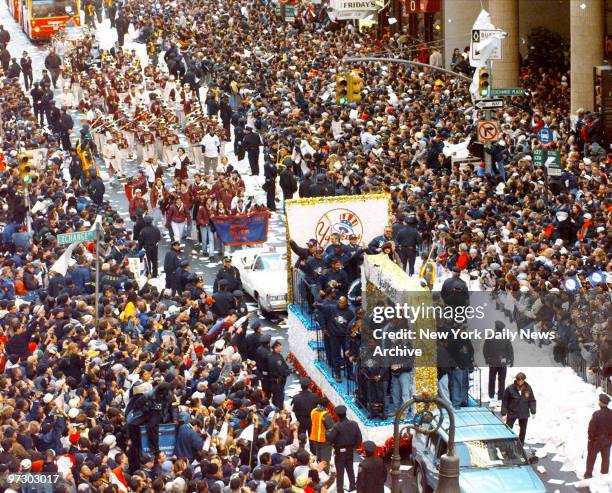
(352, 9)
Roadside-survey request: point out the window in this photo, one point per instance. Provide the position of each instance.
(259, 264)
(442, 449)
(53, 8)
(270, 262)
(432, 444)
(484, 454)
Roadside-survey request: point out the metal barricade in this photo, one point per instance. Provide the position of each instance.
(596, 377)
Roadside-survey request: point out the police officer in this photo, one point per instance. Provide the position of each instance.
(148, 239)
(261, 358)
(65, 126)
(279, 371)
(498, 354)
(171, 263)
(223, 300)
(230, 274)
(303, 403)
(240, 306)
(408, 239)
(26, 69)
(455, 291)
(37, 95)
(372, 473)
(253, 339)
(251, 143)
(269, 185)
(518, 402)
(344, 437)
(181, 276)
(600, 437)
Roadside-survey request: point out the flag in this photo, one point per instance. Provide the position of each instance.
(62, 263)
(118, 479)
(223, 433)
(248, 433)
(597, 277)
(139, 269)
(572, 284)
(428, 273)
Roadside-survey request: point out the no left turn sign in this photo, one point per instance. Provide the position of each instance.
(488, 130)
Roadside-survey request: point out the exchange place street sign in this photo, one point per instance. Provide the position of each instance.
(508, 92)
(489, 104)
(78, 237)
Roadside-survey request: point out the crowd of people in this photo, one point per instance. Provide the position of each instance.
(77, 386)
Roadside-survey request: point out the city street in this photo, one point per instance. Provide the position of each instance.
(557, 433)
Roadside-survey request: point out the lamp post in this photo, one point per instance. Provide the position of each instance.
(448, 481)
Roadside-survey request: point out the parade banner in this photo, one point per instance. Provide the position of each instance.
(242, 229)
(137, 267)
(365, 216)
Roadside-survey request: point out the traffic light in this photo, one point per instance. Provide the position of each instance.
(355, 87)
(483, 82)
(342, 88)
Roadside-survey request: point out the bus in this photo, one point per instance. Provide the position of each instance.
(42, 19)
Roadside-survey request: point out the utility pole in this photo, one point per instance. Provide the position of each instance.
(487, 115)
(427, 423)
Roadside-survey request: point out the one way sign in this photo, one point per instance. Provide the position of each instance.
(489, 104)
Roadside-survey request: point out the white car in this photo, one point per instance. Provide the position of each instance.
(264, 277)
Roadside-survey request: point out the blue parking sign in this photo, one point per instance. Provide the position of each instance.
(545, 135)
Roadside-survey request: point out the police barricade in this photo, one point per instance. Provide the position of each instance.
(167, 439)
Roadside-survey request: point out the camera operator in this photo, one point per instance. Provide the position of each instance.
(149, 408)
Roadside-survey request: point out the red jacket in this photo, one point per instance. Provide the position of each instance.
(226, 197)
(138, 203)
(177, 215)
(186, 196)
(203, 216)
(463, 261)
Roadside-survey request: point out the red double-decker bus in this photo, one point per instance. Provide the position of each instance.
(41, 19)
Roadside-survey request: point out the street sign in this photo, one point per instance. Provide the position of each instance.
(488, 130)
(509, 91)
(545, 135)
(289, 13)
(78, 237)
(352, 9)
(553, 163)
(480, 35)
(550, 159)
(488, 104)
